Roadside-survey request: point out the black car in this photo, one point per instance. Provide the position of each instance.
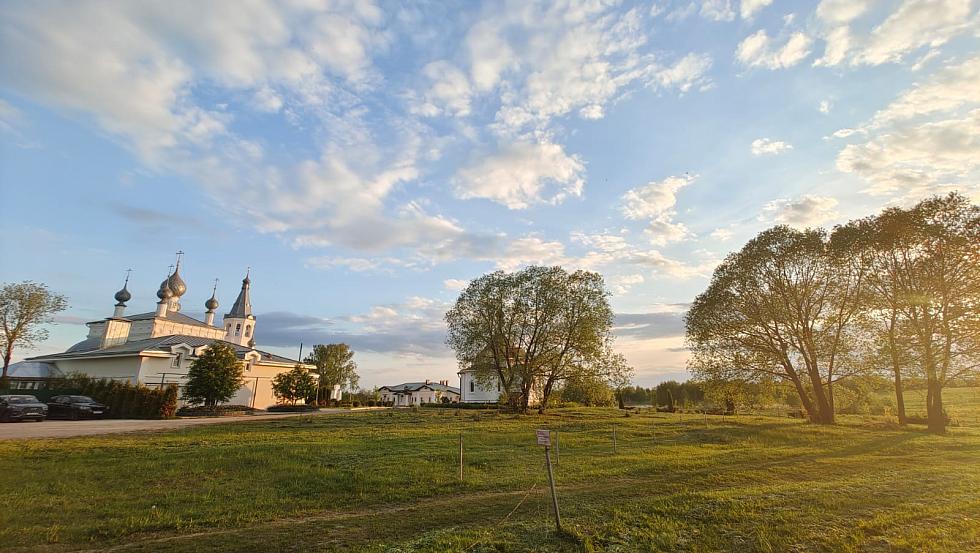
(75, 407)
(21, 407)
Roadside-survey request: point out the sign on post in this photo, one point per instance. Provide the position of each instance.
(544, 438)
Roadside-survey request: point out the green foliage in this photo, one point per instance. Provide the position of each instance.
(589, 391)
(294, 385)
(24, 308)
(125, 400)
(733, 395)
(536, 327)
(334, 365)
(214, 376)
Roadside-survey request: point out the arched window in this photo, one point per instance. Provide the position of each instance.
(238, 329)
(248, 331)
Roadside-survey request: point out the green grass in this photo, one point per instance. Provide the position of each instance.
(388, 482)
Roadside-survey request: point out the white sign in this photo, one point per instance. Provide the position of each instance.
(544, 437)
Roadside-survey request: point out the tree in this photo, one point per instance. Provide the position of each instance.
(294, 385)
(24, 307)
(589, 391)
(214, 376)
(779, 308)
(927, 280)
(533, 328)
(733, 394)
(334, 365)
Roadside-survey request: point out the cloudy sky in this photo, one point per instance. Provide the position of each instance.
(367, 160)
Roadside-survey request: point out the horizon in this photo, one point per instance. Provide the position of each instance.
(366, 161)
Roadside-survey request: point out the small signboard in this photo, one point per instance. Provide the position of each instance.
(544, 437)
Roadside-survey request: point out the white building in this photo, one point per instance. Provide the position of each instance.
(158, 347)
(417, 393)
(473, 391)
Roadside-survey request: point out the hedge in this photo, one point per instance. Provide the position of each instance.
(125, 400)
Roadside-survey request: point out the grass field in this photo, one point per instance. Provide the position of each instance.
(388, 482)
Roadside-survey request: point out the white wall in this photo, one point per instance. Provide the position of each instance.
(472, 391)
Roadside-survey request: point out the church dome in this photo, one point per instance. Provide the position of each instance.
(211, 304)
(176, 284)
(123, 295)
(165, 293)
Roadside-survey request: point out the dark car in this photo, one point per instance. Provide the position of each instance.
(21, 407)
(75, 407)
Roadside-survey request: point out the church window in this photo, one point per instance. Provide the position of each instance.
(248, 331)
(175, 362)
(472, 388)
(238, 329)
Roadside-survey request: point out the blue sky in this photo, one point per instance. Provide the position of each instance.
(367, 159)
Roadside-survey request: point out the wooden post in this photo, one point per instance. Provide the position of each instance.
(615, 450)
(551, 481)
(461, 456)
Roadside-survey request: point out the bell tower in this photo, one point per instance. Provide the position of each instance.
(240, 322)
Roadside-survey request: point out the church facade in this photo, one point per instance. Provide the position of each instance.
(158, 347)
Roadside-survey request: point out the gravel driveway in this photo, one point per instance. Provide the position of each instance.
(65, 429)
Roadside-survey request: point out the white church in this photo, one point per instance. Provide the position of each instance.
(158, 347)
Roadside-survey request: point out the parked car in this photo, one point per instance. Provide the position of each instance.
(21, 407)
(75, 407)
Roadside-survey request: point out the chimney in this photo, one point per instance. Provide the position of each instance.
(427, 381)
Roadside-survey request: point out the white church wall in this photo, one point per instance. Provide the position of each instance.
(120, 368)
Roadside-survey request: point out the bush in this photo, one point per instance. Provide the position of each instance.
(356, 404)
(124, 400)
(215, 411)
(492, 406)
(287, 408)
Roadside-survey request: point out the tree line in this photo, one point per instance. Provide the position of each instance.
(897, 293)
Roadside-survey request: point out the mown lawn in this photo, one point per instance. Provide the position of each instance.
(388, 481)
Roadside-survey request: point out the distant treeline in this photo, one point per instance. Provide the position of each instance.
(684, 393)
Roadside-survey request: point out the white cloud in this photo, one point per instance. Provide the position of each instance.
(925, 141)
(806, 211)
(717, 10)
(757, 50)
(689, 71)
(824, 107)
(765, 146)
(748, 8)
(449, 94)
(608, 250)
(722, 234)
(531, 250)
(655, 201)
(913, 25)
(455, 284)
(522, 174)
(623, 283)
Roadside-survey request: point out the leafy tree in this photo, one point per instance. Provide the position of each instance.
(926, 274)
(779, 308)
(536, 327)
(294, 385)
(214, 376)
(734, 394)
(24, 307)
(334, 365)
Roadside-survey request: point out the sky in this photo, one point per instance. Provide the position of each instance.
(367, 159)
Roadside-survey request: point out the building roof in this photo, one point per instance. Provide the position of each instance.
(416, 386)
(161, 344)
(174, 316)
(242, 308)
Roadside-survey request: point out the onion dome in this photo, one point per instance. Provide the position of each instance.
(165, 293)
(176, 284)
(123, 295)
(212, 303)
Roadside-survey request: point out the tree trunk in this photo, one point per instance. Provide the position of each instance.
(825, 415)
(811, 413)
(900, 397)
(7, 354)
(934, 407)
(545, 394)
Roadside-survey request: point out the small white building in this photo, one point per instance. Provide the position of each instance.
(418, 393)
(158, 347)
(474, 391)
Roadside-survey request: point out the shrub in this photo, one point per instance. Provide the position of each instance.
(287, 408)
(215, 411)
(124, 400)
(214, 376)
(356, 404)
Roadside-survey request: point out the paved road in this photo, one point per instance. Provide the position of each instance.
(65, 429)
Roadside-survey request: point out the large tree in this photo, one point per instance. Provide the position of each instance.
(534, 328)
(214, 376)
(24, 308)
(779, 308)
(334, 365)
(925, 279)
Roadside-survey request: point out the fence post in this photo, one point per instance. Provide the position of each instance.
(615, 450)
(460, 456)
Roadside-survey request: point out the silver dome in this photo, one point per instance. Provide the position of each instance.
(123, 295)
